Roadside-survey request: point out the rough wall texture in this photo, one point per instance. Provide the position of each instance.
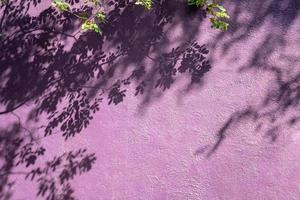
(233, 135)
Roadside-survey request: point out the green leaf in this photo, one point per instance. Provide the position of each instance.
(91, 26)
(218, 24)
(100, 16)
(61, 5)
(218, 11)
(198, 3)
(147, 4)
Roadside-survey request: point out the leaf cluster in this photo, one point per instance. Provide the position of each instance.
(217, 13)
(147, 4)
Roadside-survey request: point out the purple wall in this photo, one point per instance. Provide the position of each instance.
(233, 134)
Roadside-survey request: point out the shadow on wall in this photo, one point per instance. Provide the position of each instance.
(45, 61)
(271, 20)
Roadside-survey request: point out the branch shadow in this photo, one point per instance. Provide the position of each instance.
(46, 62)
(269, 26)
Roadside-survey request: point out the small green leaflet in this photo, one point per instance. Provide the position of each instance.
(145, 3)
(61, 5)
(91, 26)
(101, 17)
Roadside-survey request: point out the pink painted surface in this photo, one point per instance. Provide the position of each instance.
(168, 148)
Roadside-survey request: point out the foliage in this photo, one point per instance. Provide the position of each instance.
(68, 84)
(198, 3)
(61, 5)
(100, 16)
(217, 13)
(91, 23)
(147, 4)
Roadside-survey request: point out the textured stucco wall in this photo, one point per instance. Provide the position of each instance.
(227, 139)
